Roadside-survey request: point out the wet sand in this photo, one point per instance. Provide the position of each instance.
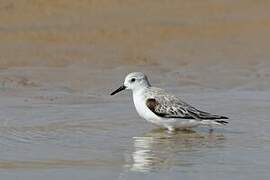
(60, 60)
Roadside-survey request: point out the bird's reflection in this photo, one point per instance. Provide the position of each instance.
(159, 149)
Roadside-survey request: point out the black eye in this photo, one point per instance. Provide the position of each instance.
(133, 80)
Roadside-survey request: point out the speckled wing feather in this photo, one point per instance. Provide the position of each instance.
(169, 106)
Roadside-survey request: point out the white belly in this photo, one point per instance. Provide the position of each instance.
(147, 114)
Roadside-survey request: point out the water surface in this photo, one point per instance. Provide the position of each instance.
(59, 61)
(96, 140)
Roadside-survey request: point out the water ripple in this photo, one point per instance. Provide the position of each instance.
(161, 150)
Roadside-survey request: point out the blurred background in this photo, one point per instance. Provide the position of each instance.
(216, 44)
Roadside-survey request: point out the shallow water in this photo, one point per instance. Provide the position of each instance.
(59, 60)
(97, 141)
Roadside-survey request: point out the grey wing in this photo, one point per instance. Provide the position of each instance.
(168, 108)
(172, 107)
(197, 114)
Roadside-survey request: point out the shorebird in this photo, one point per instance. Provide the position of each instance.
(164, 109)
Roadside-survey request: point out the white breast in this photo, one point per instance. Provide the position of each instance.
(142, 109)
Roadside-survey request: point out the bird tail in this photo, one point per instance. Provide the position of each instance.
(214, 122)
(221, 122)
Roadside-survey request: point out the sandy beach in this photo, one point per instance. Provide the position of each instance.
(59, 61)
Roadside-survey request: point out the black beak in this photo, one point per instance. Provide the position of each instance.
(121, 88)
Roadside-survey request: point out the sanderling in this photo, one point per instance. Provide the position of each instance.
(164, 109)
